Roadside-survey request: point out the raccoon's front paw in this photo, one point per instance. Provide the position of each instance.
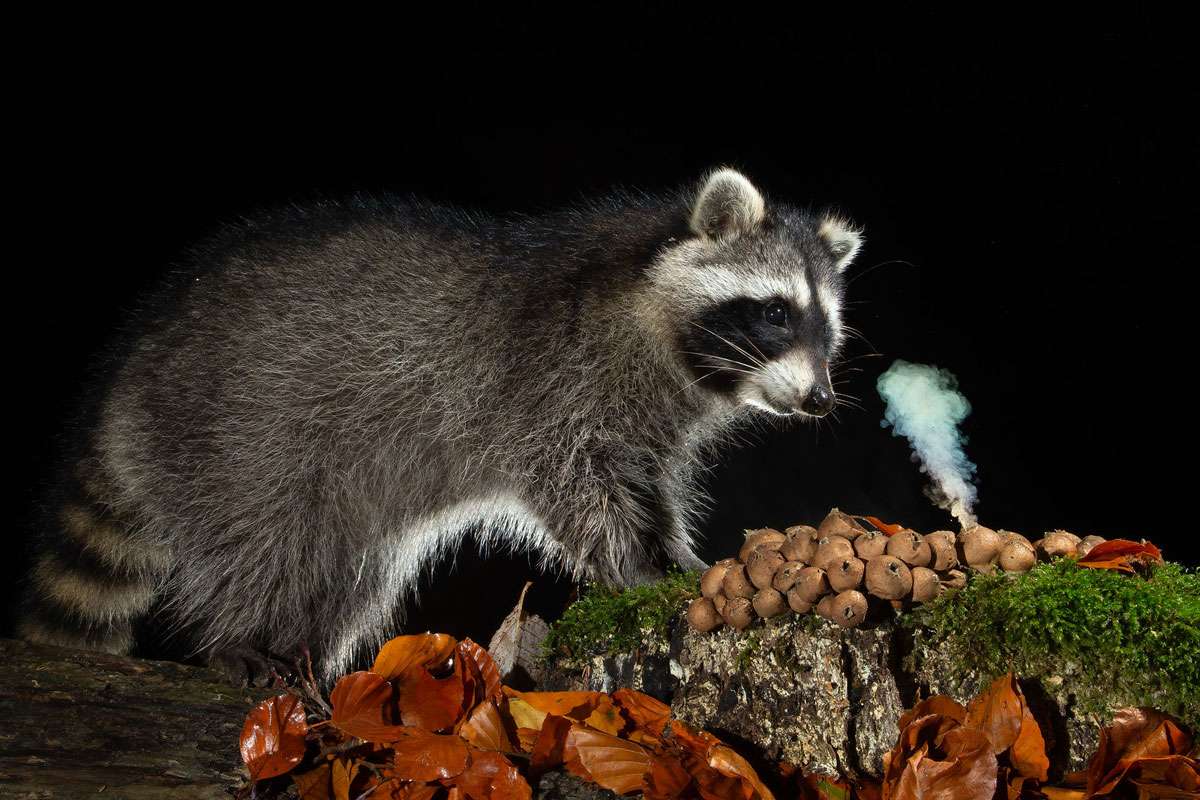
(689, 561)
(246, 666)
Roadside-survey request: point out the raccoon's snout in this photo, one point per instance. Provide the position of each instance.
(818, 402)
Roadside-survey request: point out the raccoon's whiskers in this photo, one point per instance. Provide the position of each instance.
(719, 358)
(871, 269)
(756, 361)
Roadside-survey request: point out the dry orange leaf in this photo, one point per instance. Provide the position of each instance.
(427, 650)
(272, 740)
(1135, 736)
(938, 704)
(958, 765)
(340, 777)
(362, 707)
(725, 761)
(430, 703)
(997, 711)
(485, 729)
(889, 528)
(594, 708)
(490, 776)
(547, 749)
(1121, 555)
(643, 710)
(481, 664)
(616, 764)
(314, 784)
(423, 756)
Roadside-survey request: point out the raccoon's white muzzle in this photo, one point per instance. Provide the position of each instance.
(796, 383)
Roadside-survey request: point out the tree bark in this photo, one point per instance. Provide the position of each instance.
(76, 723)
(801, 690)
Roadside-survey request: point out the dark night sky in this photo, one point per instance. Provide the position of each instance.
(1027, 198)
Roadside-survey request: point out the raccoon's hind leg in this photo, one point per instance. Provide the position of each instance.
(90, 580)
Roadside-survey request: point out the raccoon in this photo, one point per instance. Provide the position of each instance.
(322, 403)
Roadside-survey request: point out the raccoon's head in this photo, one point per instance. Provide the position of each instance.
(754, 296)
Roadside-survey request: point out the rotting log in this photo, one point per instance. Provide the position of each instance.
(76, 723)
(797, 689)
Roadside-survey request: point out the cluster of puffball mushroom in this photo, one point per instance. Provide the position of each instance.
(833, 569)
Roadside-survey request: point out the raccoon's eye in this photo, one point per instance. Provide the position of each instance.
(776, 313)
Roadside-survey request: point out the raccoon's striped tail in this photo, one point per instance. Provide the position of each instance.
(90, 581)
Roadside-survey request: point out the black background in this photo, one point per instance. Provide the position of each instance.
(1027, 187)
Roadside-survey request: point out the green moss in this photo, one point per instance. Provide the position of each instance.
(1124, 640)
(605, 621)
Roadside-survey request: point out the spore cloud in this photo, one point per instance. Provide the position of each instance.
(922, 403)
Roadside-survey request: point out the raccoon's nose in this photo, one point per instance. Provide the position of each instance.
(819, 402)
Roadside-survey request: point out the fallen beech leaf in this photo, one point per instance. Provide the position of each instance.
(429, 650)
(1120, 554)
(340, 776)
(479, 663)
(490, 776)
(526, 737)
(1061, 793)
(960, 766)
(666, 780)
(547, 750)
(314, 784)
(887, 527)
(423, 756)
(594, 708)
(997, 712)
(1001, 712)
(362, 707)
(485, 729)
(937, 704)
(1135, 734)
(1169, 777)
(516, 645)
(725, 761)
(523, 714)
(430, 703)
(616, 764)
(643, 710)
(272, 740)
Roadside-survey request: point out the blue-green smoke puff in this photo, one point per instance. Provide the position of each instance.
(923, 404)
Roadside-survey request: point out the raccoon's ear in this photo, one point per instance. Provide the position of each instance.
(842, 238)
(727, 206)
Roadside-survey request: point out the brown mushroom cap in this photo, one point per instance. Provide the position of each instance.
(1058, 544)
(719, 602)
(848, 608)
(738, 613)
(824, 608)
(1086, 544)
(870, 545)
(910, 547)
(954, 579)
(801, 544)
(1009, 536)
(846, 574)
(926, 585)
(797, 603)
(1017, 556)
(889, 577)
(943, 554)
(839, 523)
(831, 550)
(769, 603)
(710, 581)
(786, 576)
(761, 566)
(761, 536)
(702, 615)
(810, 584)
(979, 546)
(736, 583)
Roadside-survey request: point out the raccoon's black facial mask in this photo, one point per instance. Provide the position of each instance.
(738, 336)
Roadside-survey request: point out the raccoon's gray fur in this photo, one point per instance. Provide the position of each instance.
(322, 403)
